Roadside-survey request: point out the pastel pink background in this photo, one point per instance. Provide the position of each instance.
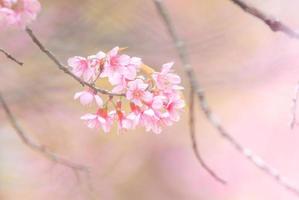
(249, 74)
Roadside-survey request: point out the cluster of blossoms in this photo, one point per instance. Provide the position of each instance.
(18, 12)
(141, 95)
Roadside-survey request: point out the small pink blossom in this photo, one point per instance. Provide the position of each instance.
(18, 12)
(88, 96)
(120, 85)
(115, 65)
(130, 72)
(136, 91)
(174, 106)
(135, 115)
(123, 121)
(150, 120)
(84, 68)
(100, 119)
(166, 80)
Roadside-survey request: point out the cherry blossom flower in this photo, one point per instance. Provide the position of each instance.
(165, 80)
(18, 12)
(174, 106)
(130, 72)
(85, 68)
(88, 96)
(101, 119)
(124, 123)
(136, 91)
(151, 121)
(115, 65)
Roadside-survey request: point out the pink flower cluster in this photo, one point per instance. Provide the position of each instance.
(18, 12)
(152, 100)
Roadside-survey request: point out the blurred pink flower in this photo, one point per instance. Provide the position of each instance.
(123, 121)
(115, 65)
(101, 119)
(18, 12)
(132, 68)
(88, 96)
(174, 106)
(136, 91)
(84, 68)
(150, 120)
(165, 80)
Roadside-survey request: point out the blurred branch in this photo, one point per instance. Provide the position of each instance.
(274, 24)
(64, 68)
(294, 107)
(9, 56)
(194, 142)
(254, 159)
(37, 147)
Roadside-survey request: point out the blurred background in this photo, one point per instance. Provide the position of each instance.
(249, 74)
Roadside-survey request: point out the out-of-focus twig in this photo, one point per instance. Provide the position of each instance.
(254, 159)
(273, 23)
(9, 56)
(64, 68)
(38, 147)
(194, 142)
(294, 107)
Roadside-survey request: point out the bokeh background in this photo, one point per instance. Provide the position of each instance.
(249, 74)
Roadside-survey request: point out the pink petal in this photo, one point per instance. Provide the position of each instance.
(100, 55)
(118, 89)
(113, 52)
(75, 61)
(167, 67)
(77, 95)
(88, 116)
(129, 94)
(92, 123)
(124, 60)
(99, 100)
(173, 78)
(86, 98)
(135, 61)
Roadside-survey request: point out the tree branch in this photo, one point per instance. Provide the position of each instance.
(294, 107)
(64, 68)
(274, 24)
(9, 56)
(181, 49)
(194, 142)
(37, 147)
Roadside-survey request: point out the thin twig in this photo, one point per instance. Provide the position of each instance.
(64, 68)
(274, 24)
(194, 142)
(294, 107)
(254, 159)
(38, 147)
(9, 56)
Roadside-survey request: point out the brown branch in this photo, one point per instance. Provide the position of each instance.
(9, 56)
(294, 107)
(254, 159)
(194, 142)
(38, 147)
(274, 24)
(64, 68)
